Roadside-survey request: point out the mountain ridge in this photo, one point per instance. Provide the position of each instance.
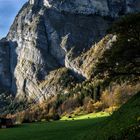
(48, 36)
(111, 8)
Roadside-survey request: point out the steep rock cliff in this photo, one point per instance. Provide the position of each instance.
(50, 34)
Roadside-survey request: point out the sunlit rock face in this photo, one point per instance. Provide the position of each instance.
(35, 2)
(49, 34)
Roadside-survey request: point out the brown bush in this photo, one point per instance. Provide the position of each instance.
(118, 95)
(98, 106)
(87, 103)
(78, 111)
(90, 107)
(107, 99)
(70, 104)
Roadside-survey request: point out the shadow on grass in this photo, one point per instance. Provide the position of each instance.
(64, 130)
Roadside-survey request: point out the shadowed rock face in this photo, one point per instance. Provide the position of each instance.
(49, 34)
(5, 75)
(111, 8)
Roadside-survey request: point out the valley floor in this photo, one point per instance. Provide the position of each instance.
(123, 124)
(66, 129)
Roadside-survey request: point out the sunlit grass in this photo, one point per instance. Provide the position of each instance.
(57, 130)
(87, 116)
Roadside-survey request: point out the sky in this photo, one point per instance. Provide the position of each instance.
(8, 11)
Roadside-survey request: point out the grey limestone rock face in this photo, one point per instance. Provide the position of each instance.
(113, 8)
(49, 34)
(44, 37)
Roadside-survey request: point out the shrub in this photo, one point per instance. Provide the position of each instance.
(70, 104)
(78, 111)
(98, 106)
(55, 117)
(118, 95)
(111, 109)
(90, 107)
(107, 99)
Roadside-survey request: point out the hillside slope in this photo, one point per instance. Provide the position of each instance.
(123, 124)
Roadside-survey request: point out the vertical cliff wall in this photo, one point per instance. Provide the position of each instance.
(48, 35)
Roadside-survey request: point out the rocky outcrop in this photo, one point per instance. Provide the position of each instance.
(86, 62)
(111, 8)
(44, 37)
(50, 34)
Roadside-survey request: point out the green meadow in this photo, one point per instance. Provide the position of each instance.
(77, 129)
(122, 124)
